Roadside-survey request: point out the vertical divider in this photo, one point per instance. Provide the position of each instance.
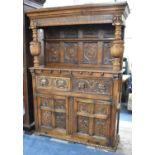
(53, 114)
(91, 119)
(62, 47)
(100, 48)
(80, 47)
(67, 116)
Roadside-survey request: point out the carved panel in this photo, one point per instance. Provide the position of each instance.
(100, 127)
(57, 83)
(83, 124)
(102, 109)
(60, 120)
(46, 102)
(59, 104)
(52, 53)
(83, 107)
(98, 86)
(107, 54)
(71, 53)
(46, 118)
(90, 53)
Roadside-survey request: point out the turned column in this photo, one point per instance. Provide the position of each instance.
(117, 48)
(35, 45)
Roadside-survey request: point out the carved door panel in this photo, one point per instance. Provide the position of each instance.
(92, 119)
(53, 113)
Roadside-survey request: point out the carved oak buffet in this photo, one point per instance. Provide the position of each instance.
(77, 91)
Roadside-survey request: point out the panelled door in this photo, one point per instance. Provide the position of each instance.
(53, 113)
(92, 120)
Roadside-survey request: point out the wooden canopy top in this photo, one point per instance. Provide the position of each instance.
(79, 14)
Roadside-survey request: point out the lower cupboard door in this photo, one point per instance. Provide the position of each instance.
(53, 114)
(92, 119)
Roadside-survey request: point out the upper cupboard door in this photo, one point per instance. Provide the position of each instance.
(92, 120)
(53, 113)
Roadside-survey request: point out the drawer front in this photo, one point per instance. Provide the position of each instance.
(93, 86)
(54, 83)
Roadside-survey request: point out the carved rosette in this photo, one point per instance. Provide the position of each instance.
(35, 45)
(117, 47)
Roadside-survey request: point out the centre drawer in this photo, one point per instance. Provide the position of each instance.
(102, 86)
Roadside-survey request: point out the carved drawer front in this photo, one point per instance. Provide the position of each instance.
(92, 118)
(93, 86)
(53, 113)
(54, 83)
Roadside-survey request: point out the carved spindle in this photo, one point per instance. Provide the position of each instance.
(35, 45)
(118, 44)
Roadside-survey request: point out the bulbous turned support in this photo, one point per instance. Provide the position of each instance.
(35, 45)
(35, 48)
(117, 47)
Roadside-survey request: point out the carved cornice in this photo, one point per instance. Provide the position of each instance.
(79, 14)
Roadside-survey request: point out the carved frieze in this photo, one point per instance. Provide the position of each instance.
(57, 83)
(96, 86)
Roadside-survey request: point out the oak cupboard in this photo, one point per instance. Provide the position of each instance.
(77, 92)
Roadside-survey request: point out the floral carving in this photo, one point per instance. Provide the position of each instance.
(71, 52)
(90, 53)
